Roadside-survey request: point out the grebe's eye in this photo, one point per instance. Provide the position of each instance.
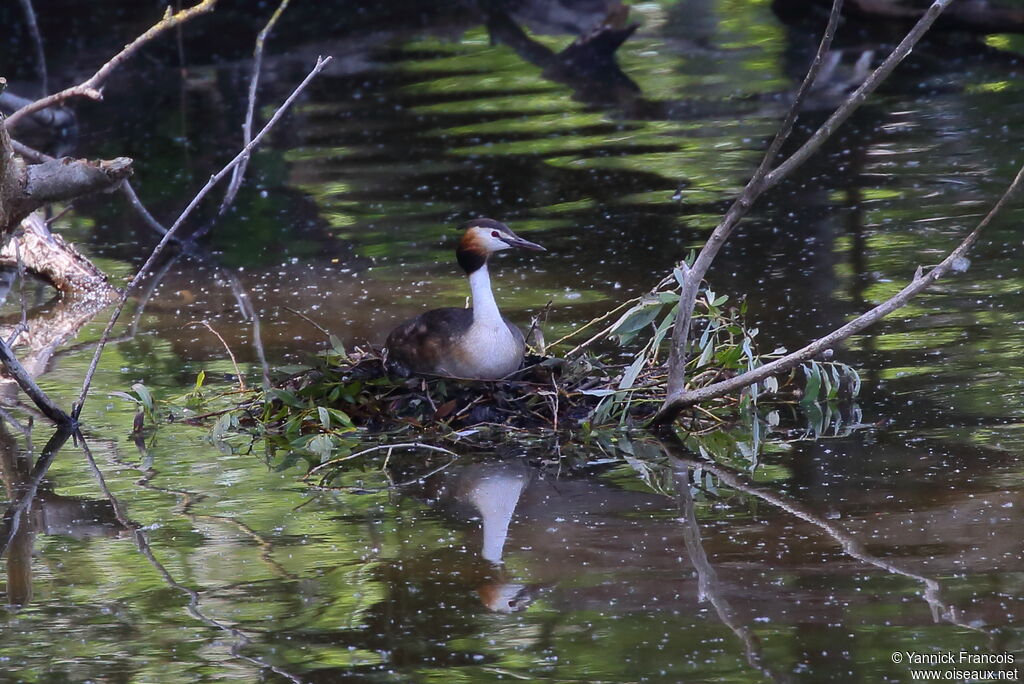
(495, 233)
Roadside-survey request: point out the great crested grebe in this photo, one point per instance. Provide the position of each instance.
(477, 342)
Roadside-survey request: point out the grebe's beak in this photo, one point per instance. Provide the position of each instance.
(516, 241)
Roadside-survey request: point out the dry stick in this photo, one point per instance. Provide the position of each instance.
(325, 331)
(29, 386)
(91, 87)
(321, 62)
(126, 187)
(37, 40)
(764, 179)
(257, 65)
(920, 282)
(238, 373)
(576, 331)
(129, 192)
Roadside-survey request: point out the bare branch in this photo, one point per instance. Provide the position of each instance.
(91, 87)
(49, 257)
(257, 65)
(695, 274)
(25, 381)
(921, 281)
(66, 178)
(23, 189)
(321, 63)
(231, 355)
(764, 179)
(858, 96)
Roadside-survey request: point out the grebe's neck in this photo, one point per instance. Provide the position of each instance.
(485, 309)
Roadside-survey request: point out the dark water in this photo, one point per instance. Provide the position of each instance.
(901, 534)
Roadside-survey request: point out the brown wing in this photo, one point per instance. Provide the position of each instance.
(420, 345)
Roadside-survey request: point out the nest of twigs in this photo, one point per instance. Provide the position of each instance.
(546, 393)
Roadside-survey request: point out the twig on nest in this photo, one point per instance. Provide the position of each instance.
(238, 373)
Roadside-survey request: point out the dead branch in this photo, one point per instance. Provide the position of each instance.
(257, 66)
(918, 284)
(321, 63)
(25, 188)
(765, 178)
(25, 381)
(92, 87)
(49, 257)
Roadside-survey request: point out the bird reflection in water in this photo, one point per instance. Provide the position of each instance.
(491, 493)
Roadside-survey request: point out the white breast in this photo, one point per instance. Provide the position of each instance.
(489, 351)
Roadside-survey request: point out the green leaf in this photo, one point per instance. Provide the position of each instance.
(637, 318)
(337, 346)
(200, 378)
(287, 398)
(221, 427)
(341, 417)
(663, 327)
(598, 392)
(629, 377)
(836, 383)
(325, 417)
(825, 381)
(813, 384)
(321, 445)
(145, 396)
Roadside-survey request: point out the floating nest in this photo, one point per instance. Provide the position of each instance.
(547, 393)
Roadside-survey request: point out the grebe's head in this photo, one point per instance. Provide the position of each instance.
(482, 238)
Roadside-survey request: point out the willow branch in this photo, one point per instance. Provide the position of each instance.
(764, 179)
(918, 284)
(694, 275)
(92, 86)
(321, 63)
